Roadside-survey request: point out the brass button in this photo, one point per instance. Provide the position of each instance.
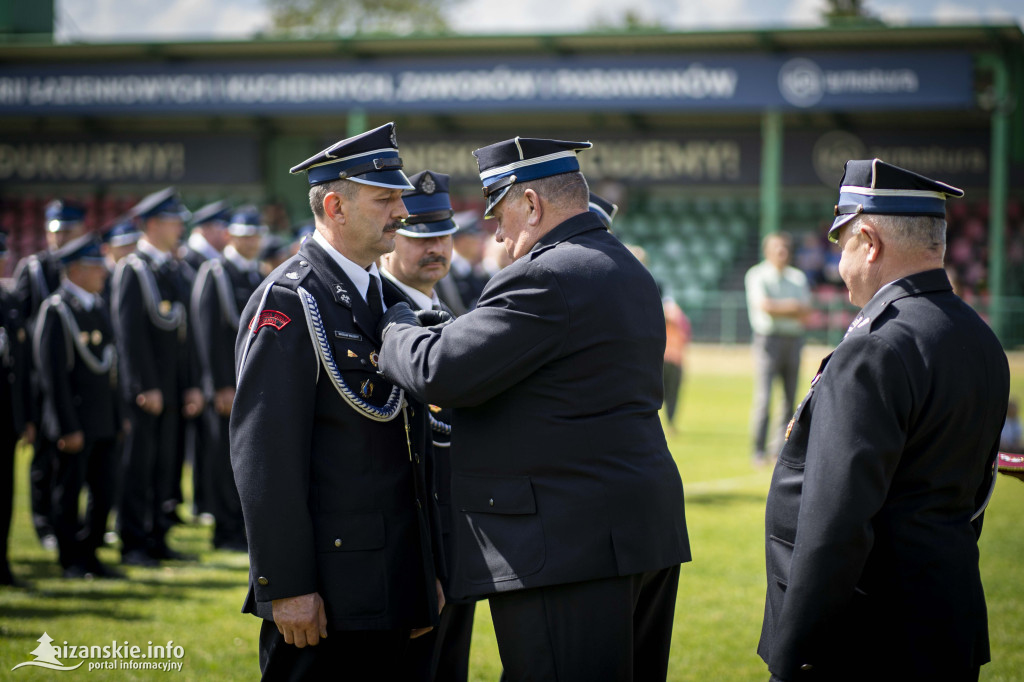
(262, 581)
(303, 264)
(419, 505)
(417, 457)
(491, 502)
(807, 666)
(337, 542)
(436, 497)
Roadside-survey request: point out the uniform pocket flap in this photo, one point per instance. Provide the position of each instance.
(493, 494)
(350, 532)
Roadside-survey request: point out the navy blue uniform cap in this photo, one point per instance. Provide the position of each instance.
(429, 206)
(63, 215)
(217, 214)
(122, 233)
(370, 158)
(85, 248)
(165, 203)
(604, 209)
(247, 222)
(522, 159)
(874, 186)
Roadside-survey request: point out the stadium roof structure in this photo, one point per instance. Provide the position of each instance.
(869, 36)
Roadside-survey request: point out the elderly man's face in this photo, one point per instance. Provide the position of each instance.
(513, 229)
(420, 262)
(854, 267)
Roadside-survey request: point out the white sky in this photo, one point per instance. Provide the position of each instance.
(117, 20)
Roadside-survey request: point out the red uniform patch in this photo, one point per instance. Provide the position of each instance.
(269, 318)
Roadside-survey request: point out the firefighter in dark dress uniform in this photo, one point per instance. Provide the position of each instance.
(73, 343)
(223, 287)
(876, 502)
(14, 399)
(329, 457)
(422, 256)
(35, 278)
(158, 374)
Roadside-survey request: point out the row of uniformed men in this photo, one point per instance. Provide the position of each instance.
(117, 353)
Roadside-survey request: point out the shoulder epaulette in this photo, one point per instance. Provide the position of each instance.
(293, 272)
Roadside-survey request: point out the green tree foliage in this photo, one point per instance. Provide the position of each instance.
(847, 12)
(358, 17)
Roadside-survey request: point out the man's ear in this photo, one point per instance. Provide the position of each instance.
(534, 207)
(334, 206)
(873, 239)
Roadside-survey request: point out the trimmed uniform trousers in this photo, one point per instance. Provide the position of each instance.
(95, 467)
(608, 629)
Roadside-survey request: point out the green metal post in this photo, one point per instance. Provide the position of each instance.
(998, 183)
(771, 171)
(357, 122)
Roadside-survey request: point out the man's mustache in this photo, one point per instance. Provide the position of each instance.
(427, 260)
(394, 225)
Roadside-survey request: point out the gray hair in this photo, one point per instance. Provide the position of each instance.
(317, 194)
(564, 189)
(912, 232)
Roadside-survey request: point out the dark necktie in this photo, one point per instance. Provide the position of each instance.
(373, 300)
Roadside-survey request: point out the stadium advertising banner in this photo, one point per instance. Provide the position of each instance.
(813, 158)
(733, 157)
(185, 159)
(700, 158)
(828, 81)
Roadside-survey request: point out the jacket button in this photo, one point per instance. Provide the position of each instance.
(337, 542)
(262, 581)
(806, 666)
(417, 457)
(419, 505)
(436, 497)
(491, 501)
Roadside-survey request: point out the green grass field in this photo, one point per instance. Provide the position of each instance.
(718, 612)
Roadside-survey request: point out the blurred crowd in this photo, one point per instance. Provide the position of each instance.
(83, 325)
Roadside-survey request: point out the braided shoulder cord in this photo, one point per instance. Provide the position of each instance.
(175, 319)
(322, 346)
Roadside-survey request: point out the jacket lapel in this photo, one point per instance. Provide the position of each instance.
(341, 288)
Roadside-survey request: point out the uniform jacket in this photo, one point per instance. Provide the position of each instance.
(79, 372)
(560, 470)
(439, 468)
(194, 260)
(872, 557)
(14, 359)
(36, 277)
(219, 296)
(334, 502)
(155, 352)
